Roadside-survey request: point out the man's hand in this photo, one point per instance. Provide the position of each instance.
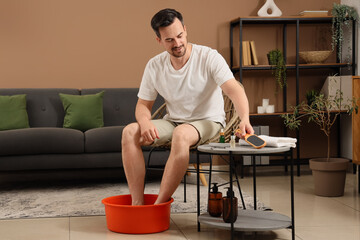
(244, 128)
(148, 131)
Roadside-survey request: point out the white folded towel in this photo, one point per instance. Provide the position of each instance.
(275, 141)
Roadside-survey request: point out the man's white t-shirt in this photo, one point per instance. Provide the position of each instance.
(191, 93)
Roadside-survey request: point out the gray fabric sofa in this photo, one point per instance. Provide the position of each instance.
(47, 145)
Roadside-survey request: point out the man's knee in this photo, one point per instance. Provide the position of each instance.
(130, 133)
(185, 134)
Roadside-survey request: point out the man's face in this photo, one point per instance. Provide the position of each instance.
(174, 38)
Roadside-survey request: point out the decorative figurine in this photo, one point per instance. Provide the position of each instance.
(269, 4)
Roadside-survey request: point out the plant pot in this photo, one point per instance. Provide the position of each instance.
(271, 62)
(329, 176)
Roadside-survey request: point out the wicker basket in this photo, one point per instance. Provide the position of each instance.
(314, 56)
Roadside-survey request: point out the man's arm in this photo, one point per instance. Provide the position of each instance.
(238, 96)
(143, 116)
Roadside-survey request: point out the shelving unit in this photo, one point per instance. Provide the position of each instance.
(285, 22)
(292, 66)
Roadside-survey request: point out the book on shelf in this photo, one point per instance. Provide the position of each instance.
(245, 54)
(248, 52)
(253, 53)
(314, 13)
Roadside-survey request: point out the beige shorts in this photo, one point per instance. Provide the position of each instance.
(206, 129)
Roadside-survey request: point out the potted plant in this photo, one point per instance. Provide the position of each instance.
(276, 59)
(329, 173)
(343, 15)
(311, 96)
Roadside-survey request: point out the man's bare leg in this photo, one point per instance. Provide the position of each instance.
(183, 137)
(133, 162)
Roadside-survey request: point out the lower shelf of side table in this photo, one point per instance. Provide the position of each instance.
(250, 220)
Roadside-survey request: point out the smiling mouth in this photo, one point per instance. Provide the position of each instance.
(178, 49)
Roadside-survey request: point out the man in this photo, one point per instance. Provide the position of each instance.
(191, 79)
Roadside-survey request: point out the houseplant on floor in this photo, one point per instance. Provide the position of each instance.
(329, 173)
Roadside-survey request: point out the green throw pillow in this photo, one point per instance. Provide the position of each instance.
(13, 114)
(83, 112)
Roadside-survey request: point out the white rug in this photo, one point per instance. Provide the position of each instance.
(62, 199)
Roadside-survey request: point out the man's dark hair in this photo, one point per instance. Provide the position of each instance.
(165, 18)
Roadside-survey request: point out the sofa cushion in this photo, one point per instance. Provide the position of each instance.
(44, 107)
(119, 104)
(105, 139)
(41, 141)
(13, 112)
(83, 112)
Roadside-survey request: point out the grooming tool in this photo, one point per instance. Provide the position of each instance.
(253, 140)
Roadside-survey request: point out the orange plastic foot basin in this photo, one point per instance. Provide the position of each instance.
(121, 217)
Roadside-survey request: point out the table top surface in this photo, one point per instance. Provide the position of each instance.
(224, 148)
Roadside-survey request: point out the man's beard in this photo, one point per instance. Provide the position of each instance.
(178, 54)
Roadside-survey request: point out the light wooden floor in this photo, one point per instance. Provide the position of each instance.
(317, 218)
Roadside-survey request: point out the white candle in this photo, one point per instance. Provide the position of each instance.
(265, 102)
(260, 109)
(270, 109)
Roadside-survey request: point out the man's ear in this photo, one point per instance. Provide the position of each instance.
(158, 40)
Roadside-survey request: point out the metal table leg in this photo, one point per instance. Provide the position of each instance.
(292, 196)
(198, 188)
(254, 179)
(231, 190)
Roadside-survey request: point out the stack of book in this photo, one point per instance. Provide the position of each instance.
(248, 53)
